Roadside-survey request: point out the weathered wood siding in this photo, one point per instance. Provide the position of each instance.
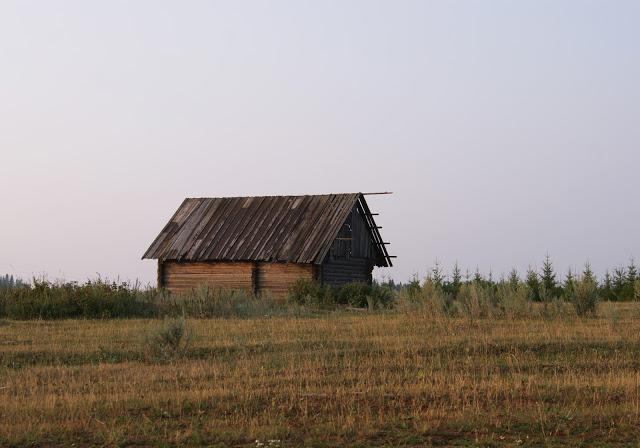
(339, 272)
(277, 278)
(259, 277)
(179, 277)
(353, 240)
(350, 258)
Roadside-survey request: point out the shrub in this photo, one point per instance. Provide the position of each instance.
(585, 297)
(355, 294)
(302, 290)
(171, 341)
(381, 296)
(513, 300)
(475, 301)
(428, 298)
(309, 293)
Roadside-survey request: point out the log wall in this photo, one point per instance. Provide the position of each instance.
(258, 277)
(180, 277)
(277, 278)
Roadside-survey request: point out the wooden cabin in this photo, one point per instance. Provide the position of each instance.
(267, 243)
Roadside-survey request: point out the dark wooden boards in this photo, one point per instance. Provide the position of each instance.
(340, 272)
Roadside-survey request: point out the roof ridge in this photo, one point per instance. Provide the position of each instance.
(274, 196)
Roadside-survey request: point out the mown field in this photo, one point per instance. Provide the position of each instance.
(350, 379)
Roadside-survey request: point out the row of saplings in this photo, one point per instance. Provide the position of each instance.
(473, 298)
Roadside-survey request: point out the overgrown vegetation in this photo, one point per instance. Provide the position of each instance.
(359, 295)
(471, 295)
(95, 299)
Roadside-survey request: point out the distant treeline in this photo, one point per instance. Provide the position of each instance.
(618, 285)
(8, 281)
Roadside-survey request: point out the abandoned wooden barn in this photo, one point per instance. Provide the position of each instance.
(267, 243)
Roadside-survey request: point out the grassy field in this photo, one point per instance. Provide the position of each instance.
(363, 379)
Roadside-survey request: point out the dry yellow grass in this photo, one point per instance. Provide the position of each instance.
(370, 379)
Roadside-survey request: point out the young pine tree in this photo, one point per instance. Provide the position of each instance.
(456, 279)
(569, 286)
(477, 276)
(514, 278)
(606, 290)
(619, 282)
(628, 291)
(548, 278)
(533, 283)
(632, 272)
(437, 275)
(587, 273)
(414, 285)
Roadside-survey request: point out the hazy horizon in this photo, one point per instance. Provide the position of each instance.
(506, 130)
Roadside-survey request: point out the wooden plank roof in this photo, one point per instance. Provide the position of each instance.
(298, 229)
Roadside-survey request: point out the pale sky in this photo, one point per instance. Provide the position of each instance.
(506, 129)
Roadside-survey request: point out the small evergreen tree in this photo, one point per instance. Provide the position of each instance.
(477, 276)
(619, 282)
(548, 278)
(437, 275)
(628, 291)
(632, 272)
(533, 283)
(587, 273)
(606, 290)
(569, 285)
(413, 287)
(456, 279)
(514, 278)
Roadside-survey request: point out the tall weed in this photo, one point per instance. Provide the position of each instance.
(218, 302)
(171, 341)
